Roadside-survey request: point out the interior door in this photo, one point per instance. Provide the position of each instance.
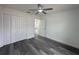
(6, 29)
(1, 28)
(18, 28)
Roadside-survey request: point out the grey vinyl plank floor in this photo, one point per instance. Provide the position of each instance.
(35, 46)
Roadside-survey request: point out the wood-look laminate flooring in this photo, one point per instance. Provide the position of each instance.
(34, 46)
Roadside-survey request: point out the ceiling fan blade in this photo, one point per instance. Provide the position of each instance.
(48, 9)
(36, 12)
(28, 12)
(32, 9)
(44, 12)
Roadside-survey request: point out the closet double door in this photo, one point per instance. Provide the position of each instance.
(12, 28)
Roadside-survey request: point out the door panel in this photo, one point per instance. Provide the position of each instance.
(6, 29)
(18, 28)
(1, 26)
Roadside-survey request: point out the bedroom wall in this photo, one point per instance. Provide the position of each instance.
(62, 26)
(15, 26)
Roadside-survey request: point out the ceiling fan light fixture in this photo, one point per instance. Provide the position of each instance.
(40, 10)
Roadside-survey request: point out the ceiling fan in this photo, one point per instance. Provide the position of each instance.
(40, 9)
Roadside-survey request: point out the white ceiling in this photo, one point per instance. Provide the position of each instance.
(56, 7)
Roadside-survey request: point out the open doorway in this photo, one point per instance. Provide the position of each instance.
(37, 26)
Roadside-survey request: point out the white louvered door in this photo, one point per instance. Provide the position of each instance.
(18, 28)
(1, 30)
(6, 28)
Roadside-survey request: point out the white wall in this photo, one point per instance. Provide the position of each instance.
(15, 26)
(62, 26)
